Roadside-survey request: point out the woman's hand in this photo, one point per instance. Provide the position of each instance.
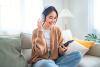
(62, 50)
(40, 22)
(65, 49)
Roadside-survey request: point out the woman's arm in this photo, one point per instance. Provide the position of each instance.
(38, 45)
(62, 48)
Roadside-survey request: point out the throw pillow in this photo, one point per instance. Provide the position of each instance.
(27, 53)
(81, 47)
(26, 40)
(87, 44)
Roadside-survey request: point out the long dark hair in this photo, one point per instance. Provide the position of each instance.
(48, 10)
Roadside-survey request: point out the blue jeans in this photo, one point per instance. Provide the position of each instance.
(70, 60)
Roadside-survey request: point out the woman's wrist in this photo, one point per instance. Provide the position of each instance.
(40, 29)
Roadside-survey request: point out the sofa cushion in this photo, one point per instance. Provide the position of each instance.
(90, 61)
(13, 40)
(9, 54)
(95, 50)
(26, 40)
(26, 53)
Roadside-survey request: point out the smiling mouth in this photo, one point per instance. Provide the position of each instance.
(51, 22)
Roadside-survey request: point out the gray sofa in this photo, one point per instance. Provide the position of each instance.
(22, 53)
(92, 57)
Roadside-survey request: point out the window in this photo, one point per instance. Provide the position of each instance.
(97, 15)
(19, 15)
(94, 17)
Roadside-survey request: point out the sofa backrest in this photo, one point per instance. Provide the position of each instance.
(10, 51)
(26, 43)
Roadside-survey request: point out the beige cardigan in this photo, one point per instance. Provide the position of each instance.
(39, 47)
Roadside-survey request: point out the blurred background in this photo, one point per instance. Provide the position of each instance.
(80, 16)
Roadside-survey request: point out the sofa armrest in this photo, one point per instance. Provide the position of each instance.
(95, 50)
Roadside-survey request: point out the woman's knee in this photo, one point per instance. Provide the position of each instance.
(77, 55)
(45, 63)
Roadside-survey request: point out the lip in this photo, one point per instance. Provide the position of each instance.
(51, 22)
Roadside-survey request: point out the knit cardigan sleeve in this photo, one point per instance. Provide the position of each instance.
(61, 48)
(38, 45)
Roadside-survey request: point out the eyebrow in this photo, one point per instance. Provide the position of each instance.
(52, 16)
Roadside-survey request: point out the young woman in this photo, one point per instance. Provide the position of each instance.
(47, 44)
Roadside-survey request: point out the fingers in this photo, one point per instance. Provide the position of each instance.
(39, 24)
(65, 49)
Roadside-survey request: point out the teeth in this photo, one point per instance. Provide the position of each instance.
(50, 22)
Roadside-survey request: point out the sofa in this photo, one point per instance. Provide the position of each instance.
(15, 51)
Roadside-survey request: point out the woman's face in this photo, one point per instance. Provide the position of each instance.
(51, 19)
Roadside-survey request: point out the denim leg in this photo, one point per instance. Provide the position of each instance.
(45, 63)
(70, 60)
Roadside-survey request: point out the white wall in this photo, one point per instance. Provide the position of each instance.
(78, 24)
(79, 8)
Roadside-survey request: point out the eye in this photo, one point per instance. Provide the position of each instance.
(55, 18)
(50, 17)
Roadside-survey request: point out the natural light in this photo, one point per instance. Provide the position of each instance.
(19, 15)
(97, 15)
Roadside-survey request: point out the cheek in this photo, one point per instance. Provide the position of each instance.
(48, 20)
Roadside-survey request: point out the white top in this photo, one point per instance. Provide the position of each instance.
(47, 37)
